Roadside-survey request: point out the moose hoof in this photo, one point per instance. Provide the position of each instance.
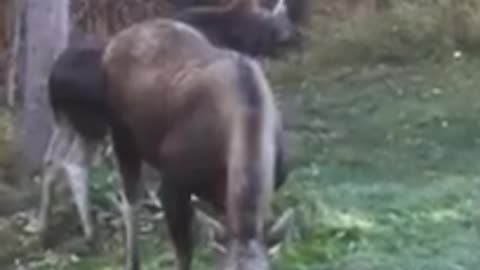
(249, 255)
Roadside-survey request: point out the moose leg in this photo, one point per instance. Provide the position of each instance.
(77, 175)
(179, 215)
(50, 176)
(129, 163)
(77, 178)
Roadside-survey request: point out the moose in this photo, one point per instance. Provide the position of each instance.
(77, 89)
(298, 10)
(163, 88)
(168, 88)
(74, 144)
(172, 89)
(247, 25)
(78, 68)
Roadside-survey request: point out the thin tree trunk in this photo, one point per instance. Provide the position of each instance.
(14, 60)
(43, 33)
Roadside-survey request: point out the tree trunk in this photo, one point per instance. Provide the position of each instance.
(42, 34)
(15, 45)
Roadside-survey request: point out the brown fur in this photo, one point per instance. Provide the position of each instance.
(77, 94)
(205, 117)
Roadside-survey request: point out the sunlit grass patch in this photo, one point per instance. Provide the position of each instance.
(396, 225)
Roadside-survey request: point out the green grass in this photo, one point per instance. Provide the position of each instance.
(5, 139)
(384, 173)
(387, 177)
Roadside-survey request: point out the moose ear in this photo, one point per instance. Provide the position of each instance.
(280, 8)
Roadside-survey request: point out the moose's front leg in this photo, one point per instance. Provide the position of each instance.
(129, 165)
(179, 215)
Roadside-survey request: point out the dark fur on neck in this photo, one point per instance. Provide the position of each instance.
(241, 26)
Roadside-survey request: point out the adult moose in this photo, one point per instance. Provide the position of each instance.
(298, 10)
(247, 25)
(168, 90)
(77, 72)
(163, 88)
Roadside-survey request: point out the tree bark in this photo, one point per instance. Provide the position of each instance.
(15, 45)
(43, 33)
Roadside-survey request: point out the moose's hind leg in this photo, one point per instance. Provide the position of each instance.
(129, 163)
(53, 161)
(50, 175)
(179, 215)
(81, 155)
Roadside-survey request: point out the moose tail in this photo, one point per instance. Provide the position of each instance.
(77, 91)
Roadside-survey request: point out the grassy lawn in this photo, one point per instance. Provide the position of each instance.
(388, 171)
(384, 172)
